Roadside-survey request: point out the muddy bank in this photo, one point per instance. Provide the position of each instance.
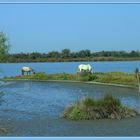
(61, 127)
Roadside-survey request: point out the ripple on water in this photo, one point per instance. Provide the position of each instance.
(42, 102)
(49, 98)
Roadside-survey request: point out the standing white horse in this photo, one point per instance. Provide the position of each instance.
(28, 70)
(85, 68)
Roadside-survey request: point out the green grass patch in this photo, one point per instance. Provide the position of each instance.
(116, 78)
(57, 76)
(108, 77)
(107, 107)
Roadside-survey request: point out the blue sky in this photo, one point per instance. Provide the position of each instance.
(53, 27)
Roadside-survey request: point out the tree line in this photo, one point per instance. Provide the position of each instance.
(64, 55)
(67, 55)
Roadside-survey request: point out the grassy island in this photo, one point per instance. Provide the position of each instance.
(107, 107)
(118, 78)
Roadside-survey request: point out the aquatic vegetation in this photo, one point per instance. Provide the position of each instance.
(4, 131)
(57, 76)
(108, 77)
(116, 78)
(86, 77)
(107, 107)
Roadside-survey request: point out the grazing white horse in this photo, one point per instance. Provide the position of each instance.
(85, 68)
(28, 70)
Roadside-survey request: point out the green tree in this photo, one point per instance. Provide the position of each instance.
(84, 53)
(134, 54)
(4, 47)
(53, 54)
(66, 53)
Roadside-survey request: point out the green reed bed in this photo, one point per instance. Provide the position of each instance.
(107, 107)
(116, 78)
(108, 77)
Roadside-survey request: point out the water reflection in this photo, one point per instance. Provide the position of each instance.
(1, 97)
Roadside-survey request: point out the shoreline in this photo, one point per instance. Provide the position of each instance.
(71, 81)
(124, 60)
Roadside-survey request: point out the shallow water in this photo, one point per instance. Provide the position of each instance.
(34, 108)
(13, 69)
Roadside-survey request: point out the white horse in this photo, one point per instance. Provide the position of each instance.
(28, 70)
(85, 68)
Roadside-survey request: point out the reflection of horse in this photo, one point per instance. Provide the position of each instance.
(85, 68)
(28, 70)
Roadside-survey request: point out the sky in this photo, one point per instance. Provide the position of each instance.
(53, 27)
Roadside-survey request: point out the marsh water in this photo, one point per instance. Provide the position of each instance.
(34, 108)
(13, 69)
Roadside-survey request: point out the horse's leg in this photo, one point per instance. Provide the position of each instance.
(22, 72)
